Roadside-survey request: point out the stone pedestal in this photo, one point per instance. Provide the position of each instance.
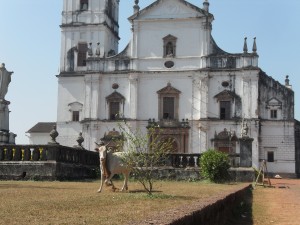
(246, 151)
(4, 115)
(6, 137)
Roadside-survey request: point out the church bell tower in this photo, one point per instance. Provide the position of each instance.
(88, 26)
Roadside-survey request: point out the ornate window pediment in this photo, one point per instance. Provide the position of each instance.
(75, 106)
(169, 90)
(226, 96)
(274, 103)
(115, 97)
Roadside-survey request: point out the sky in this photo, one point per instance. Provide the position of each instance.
(30, 46)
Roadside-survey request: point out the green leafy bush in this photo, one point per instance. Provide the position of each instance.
(214, 166)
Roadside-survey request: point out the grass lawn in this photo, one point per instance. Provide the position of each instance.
(29, 202)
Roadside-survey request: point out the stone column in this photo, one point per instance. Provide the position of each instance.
(246, 151)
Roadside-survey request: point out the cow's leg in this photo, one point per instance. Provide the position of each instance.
(101, 183)
(126, 175)
(109, 181)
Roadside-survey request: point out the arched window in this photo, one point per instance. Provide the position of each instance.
(169, 46)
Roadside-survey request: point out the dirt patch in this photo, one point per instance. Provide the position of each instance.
(278, 205)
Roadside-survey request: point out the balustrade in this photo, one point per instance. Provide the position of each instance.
(47, 153)
(71, 155)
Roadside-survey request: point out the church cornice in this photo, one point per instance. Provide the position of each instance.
(77, 24)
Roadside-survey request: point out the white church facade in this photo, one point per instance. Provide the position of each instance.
(171, 74)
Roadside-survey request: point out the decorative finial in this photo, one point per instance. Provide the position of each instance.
(98, 49)
(254, 49)
(53, 134)
(136, 7)
(79, 140)
(287, 82)
(206, 5)
(245, 46)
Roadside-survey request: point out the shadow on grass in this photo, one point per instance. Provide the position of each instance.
(242, 213)
(20, 186)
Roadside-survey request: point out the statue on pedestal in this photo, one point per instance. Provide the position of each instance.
(6, 137)
(5, 79)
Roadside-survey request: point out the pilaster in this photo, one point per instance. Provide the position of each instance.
(92, 96)
(133, 82)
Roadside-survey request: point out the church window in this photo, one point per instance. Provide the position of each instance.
(169, 46)
(114, 110)
(274, 107)
(84, 4)
(270, 156)
(168, 103)
(227, 100)
(168, 107)
(75, 109)
(75, 116)
(273, 114)
(82, 50)
(115, 101)
(225, 110)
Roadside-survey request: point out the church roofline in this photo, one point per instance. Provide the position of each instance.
(137, 14)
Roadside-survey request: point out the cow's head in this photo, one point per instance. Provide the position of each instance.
(101, 148)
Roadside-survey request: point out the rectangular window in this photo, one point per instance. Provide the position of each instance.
(84, 4)
(82, 49)
(75, 116)
(273, 114)
(168, 107)
(270, 156)
(225, 110)
(114, 110)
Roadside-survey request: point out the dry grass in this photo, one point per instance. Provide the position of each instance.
(78, 203)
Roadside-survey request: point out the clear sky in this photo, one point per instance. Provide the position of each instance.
(30, 46)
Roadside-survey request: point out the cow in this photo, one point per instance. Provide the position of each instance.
(111, 163)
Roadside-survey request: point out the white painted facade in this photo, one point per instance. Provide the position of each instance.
(197, 79)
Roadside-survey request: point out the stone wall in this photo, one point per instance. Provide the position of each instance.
(216, 210)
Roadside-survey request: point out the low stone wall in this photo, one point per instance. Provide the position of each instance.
(193, 173)
(46, 170)
(215, 211)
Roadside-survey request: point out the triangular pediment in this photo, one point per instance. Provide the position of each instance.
(226, 95)
(274, 102)
(163, 9)
(115, 97)
(168, 90)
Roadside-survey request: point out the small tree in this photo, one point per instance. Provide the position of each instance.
(145, 152)
(214, 166)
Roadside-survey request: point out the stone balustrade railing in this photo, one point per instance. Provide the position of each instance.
(56, 153)
(182, 160)
(65, 154)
